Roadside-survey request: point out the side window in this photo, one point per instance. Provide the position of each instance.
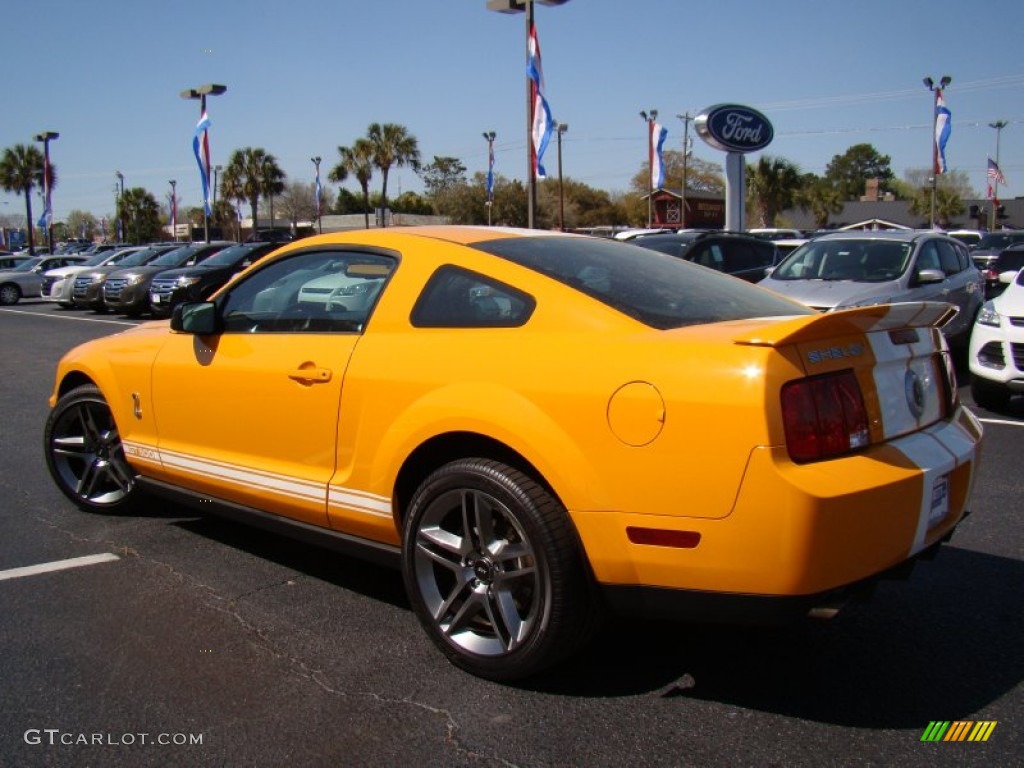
(710, 256)
(948, 258)
(458, 298)
(310, 292)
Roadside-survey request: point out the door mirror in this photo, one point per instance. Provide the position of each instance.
(926, 276)
(199, 318)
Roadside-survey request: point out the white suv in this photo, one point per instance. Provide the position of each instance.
(997, 346)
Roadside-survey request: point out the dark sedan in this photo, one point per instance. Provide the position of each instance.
(738, 255)
(127, 290)
(197, 282)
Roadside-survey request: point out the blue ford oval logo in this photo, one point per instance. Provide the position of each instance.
(914, 389)
(734, 128)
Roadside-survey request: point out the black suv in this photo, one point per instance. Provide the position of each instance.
(992, 244)
(735, 254)
(1010, 260)
(195, 283)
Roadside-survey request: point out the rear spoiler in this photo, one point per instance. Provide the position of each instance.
(858, 320)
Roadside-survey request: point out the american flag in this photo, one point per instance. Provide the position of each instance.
(543, 123)
(994, 173)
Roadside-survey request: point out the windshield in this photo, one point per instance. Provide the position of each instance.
(658, 290)
(96, 259)
(26, 266)
(673, 245)
(229, 256)
(174, 258)
(141, 257)
(862, 261)
(1010, 261)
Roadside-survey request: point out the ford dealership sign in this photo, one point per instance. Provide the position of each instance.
(734, 128)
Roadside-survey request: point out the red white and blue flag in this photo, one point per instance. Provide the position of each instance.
(943, 127)
(490, 170)
(657, 139)
(994, 173)
(543, 123)
(201, 147)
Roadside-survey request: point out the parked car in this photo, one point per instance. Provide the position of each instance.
(88, 290)
(1010, 260)
(738, 255)
(852, 269)
(10, 261)
(533, 425)
(994, 243)
(776, 233)
(25, 281)
(996, 356)
(59, 284)
(127, 290)
(969, 237)
(194, 283)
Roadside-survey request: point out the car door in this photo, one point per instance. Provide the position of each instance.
(926, 258)
(250, 414)
(962, 286)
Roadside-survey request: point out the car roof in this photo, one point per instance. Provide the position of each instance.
(894, 235)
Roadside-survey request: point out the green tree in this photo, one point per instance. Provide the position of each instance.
(393, 146)
(412, 203)
(948, 204)
(140, 212)
(272, 182)
(772, 185)
(850, 171)
(820, 198)
(955, 181)
(21, 171)
(442, 174)
(244, 176)
(81, 224)
(356, 161)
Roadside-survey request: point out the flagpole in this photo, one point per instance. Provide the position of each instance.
(930, 85)
(649, 118)
(531, 175)
(998, 125)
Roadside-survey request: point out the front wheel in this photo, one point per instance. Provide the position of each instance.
(84, 453)
(494, 570)
(9, 294)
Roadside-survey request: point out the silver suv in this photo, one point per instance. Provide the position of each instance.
(855, 269)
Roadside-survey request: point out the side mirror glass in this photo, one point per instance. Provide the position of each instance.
(198, 318)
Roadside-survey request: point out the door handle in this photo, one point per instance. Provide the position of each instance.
(311, 375)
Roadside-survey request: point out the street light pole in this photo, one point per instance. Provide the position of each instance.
(561, 128)
(489, 137)
(319, 222)
(649, 118)
(120, 220)
(519, 6)
(203, 151)
(998, 125)
(216, 169)
(46, 137)
(930, 85)
(686, 118)
(174, 210)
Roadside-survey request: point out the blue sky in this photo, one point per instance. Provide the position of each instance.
(307, 75)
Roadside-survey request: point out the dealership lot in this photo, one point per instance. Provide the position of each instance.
(269, 650)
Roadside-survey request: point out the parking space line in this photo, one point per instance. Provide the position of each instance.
(57, 565)
(1003, 421)
(78, 319)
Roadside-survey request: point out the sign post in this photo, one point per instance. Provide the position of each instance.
(735, 130)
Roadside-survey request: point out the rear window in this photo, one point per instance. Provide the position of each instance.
(658, 290)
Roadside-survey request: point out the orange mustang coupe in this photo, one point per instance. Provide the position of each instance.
(535, 427)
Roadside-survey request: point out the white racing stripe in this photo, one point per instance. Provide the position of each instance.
(57, 565)
(351, 499)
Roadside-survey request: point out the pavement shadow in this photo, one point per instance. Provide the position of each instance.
(941, 646)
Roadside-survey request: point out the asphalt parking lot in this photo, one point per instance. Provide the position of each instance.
(201, 642)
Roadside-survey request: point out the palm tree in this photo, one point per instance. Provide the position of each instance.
(771, 187)
(21, 171)
(821, 198)
(393, 145)
(272, 182)
(250, 172)
(356, 160)
(141, 213)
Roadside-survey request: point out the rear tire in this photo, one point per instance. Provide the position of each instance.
(9, 294)
(85, 456)
(494, 570)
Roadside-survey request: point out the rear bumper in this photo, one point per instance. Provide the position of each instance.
(799, 531)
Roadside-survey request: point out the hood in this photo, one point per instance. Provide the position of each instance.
(828, 294)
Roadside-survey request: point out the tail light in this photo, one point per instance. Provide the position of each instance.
(824, 416)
